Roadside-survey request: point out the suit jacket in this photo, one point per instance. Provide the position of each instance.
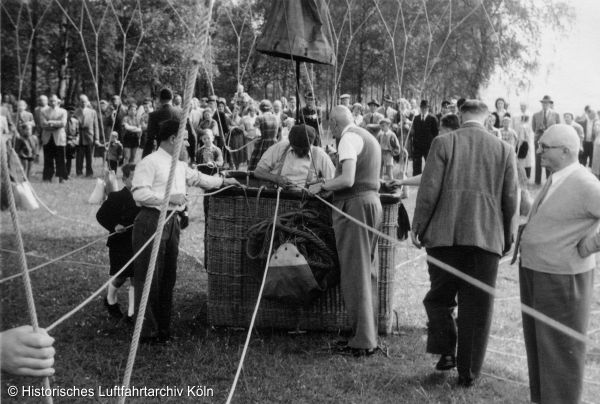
(468, 192)
(367, 118)
(423, 132)
(537, 123)
(54, 121)
(89, 132)
(559, 237)
(164, 113)
(118, 208)
(584, 123)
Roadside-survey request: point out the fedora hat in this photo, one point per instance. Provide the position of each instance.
(373, 102)
(387, 98)
(424, 104)
(344, 96)
(309, 96)
(547, 99)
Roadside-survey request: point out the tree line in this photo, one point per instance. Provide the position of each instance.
(411, 48)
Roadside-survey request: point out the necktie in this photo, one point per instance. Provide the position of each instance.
(371, 118)
(545, 119)
(532, 212)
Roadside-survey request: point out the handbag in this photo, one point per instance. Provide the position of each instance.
(97, 195)
(289, 278)
(523, 150)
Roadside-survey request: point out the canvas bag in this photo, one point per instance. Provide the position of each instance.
(97, 195)
(289, 278)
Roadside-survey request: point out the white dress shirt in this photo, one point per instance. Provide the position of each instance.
(152, 174)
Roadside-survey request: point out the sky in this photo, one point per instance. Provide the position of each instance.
(569, 68)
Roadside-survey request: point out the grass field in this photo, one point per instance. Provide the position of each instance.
(92, 348)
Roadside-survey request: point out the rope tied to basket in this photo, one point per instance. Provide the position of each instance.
(307, 230)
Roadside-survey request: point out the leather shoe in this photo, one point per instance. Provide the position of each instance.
(446, 362)
(113, 309)
(356, 352)
(465, 381)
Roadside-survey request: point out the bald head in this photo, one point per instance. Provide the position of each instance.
(559, 146)
(340, 118)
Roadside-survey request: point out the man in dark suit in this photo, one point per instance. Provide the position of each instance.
(541, 121)
(424, 129)
(463, 216)
(165, 112)
(116, 213)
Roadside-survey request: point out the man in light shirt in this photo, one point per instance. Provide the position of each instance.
(54, 140)
(149, 188)
(293, 162)
(556, 269)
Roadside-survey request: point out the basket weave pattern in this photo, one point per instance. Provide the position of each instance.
(234, 279)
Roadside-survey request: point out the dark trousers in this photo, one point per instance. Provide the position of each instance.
(468, 334)
(538, 169)
(158, 312)
(69, 155)
(54, 156)
(555, 361)
(359, 269)
(84, 152)
(417, 158)
(587, 154)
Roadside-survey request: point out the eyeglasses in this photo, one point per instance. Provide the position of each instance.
(543, 147)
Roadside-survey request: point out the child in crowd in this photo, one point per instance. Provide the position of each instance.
(115, 215)
(287, 126)
(390, 147)
(209, 156)
(26, 146)
(114, 153)
(508, 134)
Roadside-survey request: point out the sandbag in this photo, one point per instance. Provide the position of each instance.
(289, 278)
(110, 182)
(24, 198)
(97, 195)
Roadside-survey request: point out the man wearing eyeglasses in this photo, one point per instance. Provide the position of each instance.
(556, 268)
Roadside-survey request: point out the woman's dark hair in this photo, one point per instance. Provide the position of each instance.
(503, 100)
(450, 121)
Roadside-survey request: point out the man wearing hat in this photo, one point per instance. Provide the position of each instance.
(166, 111)
(541, 121)
(443, 111)
(424, 129)
(293, 162)
(149, 188)
(311, 115)
(387, 111)
(345, 101)
(372, 117)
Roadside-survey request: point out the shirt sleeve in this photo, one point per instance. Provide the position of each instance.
(195, 178)
(325, 165)
(143, 176)
(350, 146)
(269, 159)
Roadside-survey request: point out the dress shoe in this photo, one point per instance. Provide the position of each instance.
(113, 309)
(446, 362)
(465, 381)
(356, 352)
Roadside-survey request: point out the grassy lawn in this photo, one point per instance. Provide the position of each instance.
(92, 348)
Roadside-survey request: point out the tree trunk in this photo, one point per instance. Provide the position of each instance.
(64, 62)
(34, 56)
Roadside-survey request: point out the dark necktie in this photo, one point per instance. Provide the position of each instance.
(371, 118)
(545, 119)
(533, 211)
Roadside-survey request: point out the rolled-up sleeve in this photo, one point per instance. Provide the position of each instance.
(142, 184)
(195, 178)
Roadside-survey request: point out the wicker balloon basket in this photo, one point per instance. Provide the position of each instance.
(234, 279)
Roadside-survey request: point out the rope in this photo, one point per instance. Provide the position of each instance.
(33, 255)
(99, 290)
(473, 281)
(418, 257)
(243, 147)
(205, 16)
(8, 278)
(260, 292)
(22, 258)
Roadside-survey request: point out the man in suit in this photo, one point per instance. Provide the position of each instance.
(541, 121)
(355, 192)
(556, 269)
(587, 124)
(165, 112)
(464, 221)
(424, 129)
(89, 136)
(388, 112)
(54, 140)
(372, 117)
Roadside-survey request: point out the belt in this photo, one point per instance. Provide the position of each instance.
(155, 211)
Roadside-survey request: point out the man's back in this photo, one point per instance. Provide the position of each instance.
(468, 192)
